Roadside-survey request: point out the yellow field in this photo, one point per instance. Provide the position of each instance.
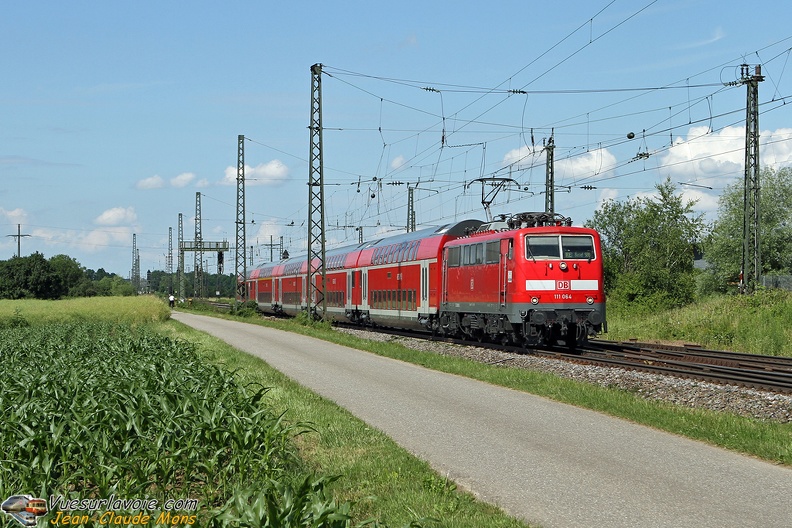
(134, 310)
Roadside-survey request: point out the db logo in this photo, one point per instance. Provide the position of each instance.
(562, 285)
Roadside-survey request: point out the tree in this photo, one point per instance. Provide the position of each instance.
(649, 246)
(723, 247)
(68, 273)
(28, 277)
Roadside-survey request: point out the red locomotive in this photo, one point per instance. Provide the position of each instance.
(529, 279)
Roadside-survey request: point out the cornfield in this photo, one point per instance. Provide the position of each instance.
(100, 409)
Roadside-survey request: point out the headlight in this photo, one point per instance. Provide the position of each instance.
(534, 300)
(563, 266)
(589, 300)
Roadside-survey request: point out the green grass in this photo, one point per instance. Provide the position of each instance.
(759, 324)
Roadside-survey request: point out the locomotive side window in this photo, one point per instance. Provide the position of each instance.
(542, 247)
(466, 260)
(578, 247)
(479, 253)
(492, 252)
(454, 256)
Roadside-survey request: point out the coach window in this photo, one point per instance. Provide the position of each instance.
(542, 247)
(479, 253)
(453, 256)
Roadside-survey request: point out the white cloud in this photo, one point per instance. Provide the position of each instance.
(397, 162)
(202, 183)
(775, 148)
(269, 173)
(116, 216)
(155, 182)
(16, 216)
(99, 239)
(523, 157)
(594, 163)
(716, 156)
(182, 180)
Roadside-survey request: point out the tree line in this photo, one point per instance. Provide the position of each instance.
(61, 276)
(35, 277)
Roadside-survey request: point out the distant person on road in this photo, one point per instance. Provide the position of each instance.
(171, 300)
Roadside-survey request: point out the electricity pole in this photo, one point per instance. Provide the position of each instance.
(19, 236)
(169, 260)
(135, 265)
(180, 269)
(198, 271)
(316, 224)
(550, 177)
(751, 269)
(240, 265)
(410, 209)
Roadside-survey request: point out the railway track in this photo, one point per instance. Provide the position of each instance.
(768, 373)
(746, 370)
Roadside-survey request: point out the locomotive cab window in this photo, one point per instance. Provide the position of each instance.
(578, 247)
(542, 247)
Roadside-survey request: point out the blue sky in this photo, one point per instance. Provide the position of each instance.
(113, 116)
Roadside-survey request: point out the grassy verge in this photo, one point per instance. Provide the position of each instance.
(759, 324)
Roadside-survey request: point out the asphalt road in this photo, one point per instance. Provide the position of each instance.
(545, 462)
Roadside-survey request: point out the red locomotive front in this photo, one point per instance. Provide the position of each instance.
(533, 280)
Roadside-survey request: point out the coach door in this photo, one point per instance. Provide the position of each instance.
(364, 303)
(423, 307)
(504, 271)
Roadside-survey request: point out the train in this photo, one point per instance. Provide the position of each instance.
(529, 279)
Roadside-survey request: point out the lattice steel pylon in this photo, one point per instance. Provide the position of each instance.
(410, 209)
(180, 269)
(550, 177)
(316, 224)
(135, 278)
(169, 260)
(751, 269)
(240, 262)
(198, 270)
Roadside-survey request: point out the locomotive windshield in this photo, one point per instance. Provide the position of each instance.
(548, 247)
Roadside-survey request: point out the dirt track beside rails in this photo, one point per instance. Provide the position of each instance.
(542, 461)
